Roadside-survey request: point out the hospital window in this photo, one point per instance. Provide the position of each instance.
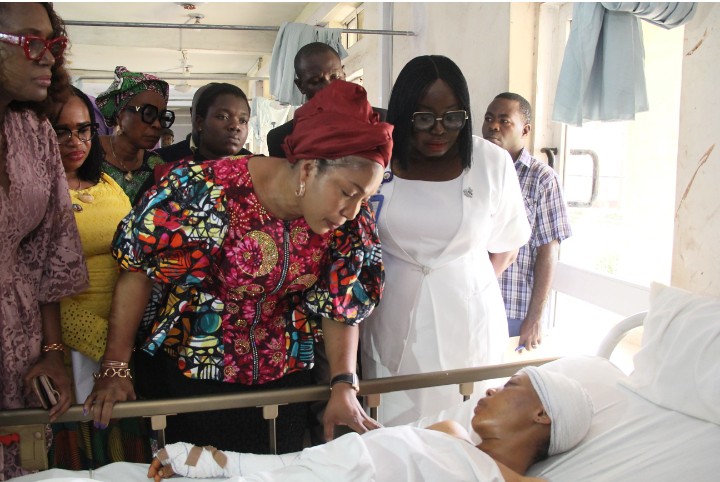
(354, 21)
(618, 179)
(355, 77)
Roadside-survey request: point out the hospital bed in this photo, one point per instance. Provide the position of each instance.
(660, 423)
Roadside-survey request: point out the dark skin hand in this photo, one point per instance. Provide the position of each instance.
(51, 363)
(155, 471)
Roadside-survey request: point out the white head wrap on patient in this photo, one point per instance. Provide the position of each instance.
(567, 404)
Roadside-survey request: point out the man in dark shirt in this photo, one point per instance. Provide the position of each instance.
(316, 66)
(186, 148)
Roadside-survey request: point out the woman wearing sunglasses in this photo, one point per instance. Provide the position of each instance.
(451, 218)
(40, 252)
(99, 204)
(137, 104)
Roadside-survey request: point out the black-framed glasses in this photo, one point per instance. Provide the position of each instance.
(452, 120)
(149, 114)
(84, 133)
(35, 47)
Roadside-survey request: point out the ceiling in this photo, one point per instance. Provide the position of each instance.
(210, 55)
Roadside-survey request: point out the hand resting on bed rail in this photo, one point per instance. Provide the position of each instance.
(536, 414)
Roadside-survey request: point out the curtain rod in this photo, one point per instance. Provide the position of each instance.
(201, 26)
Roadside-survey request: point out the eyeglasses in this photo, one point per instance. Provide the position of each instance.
(149, 114)
(452, 120)
(35, 47)
(84, 134)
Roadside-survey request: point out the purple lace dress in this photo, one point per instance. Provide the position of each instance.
(41, 258)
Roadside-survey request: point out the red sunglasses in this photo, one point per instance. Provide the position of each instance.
(35, 47)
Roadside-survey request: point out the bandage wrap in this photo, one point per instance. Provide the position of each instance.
(197, 462)
(567, 404)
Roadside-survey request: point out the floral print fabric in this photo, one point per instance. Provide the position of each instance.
(239, 299)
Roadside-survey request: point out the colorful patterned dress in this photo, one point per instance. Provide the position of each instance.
(241, 281)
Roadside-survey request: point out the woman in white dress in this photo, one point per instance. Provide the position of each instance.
(451, 219)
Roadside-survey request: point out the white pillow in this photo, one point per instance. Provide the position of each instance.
(678, 365)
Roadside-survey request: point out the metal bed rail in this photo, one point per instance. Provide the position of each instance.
(270, 400)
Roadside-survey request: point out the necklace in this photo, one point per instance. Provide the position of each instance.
(83, 196)
(128, 173)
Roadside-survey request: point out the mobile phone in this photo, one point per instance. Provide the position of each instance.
(46, 391)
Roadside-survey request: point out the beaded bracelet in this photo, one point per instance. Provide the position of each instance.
(53, 347)
(112, 368)
(111, 372)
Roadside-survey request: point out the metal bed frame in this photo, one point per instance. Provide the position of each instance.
(270, 400)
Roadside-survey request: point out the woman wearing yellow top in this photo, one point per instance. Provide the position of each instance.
(99, 204)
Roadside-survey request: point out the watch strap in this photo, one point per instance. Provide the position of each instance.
(349, 378)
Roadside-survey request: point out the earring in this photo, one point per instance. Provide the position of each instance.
(300, 191)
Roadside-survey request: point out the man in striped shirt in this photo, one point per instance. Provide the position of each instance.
(526, 283)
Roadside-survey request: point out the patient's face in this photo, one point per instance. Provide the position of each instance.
(510, 407)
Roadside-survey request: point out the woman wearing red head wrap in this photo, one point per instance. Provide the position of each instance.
(247, 246)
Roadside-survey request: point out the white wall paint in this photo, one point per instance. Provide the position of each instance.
(696, 259)
(491, 44)
(476, 36)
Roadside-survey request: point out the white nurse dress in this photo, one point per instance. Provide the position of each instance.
(442, 308)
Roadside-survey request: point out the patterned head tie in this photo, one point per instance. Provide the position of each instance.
(339, 121)
(126, 86)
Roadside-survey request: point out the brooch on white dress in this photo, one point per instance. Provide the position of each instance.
(468, 192)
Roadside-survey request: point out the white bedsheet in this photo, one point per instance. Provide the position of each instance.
(393, 454)
(630, 439)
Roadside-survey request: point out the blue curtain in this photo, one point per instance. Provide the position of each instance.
(290, 38)
(602, 75)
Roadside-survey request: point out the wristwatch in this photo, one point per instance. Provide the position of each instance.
(349, 378)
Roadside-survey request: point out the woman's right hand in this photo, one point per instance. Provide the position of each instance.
(132, 291)
(106, 392)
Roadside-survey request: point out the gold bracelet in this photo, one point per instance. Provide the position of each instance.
(112, 373)
(113, 364)
(53, 347)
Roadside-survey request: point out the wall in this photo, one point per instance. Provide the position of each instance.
(523, 47)
(365, 54)
(696, 259)
(524, 19)
(474, 35)
(480, 37)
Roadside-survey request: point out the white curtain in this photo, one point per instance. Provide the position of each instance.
(267, 114)
(602, 76)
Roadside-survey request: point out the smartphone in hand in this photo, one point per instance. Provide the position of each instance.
(46, 391)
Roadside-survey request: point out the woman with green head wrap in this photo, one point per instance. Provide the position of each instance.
(137, 104)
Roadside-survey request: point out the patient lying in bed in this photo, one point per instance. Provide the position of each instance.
(536, 414)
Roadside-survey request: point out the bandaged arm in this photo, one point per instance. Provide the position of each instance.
(315, 463)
